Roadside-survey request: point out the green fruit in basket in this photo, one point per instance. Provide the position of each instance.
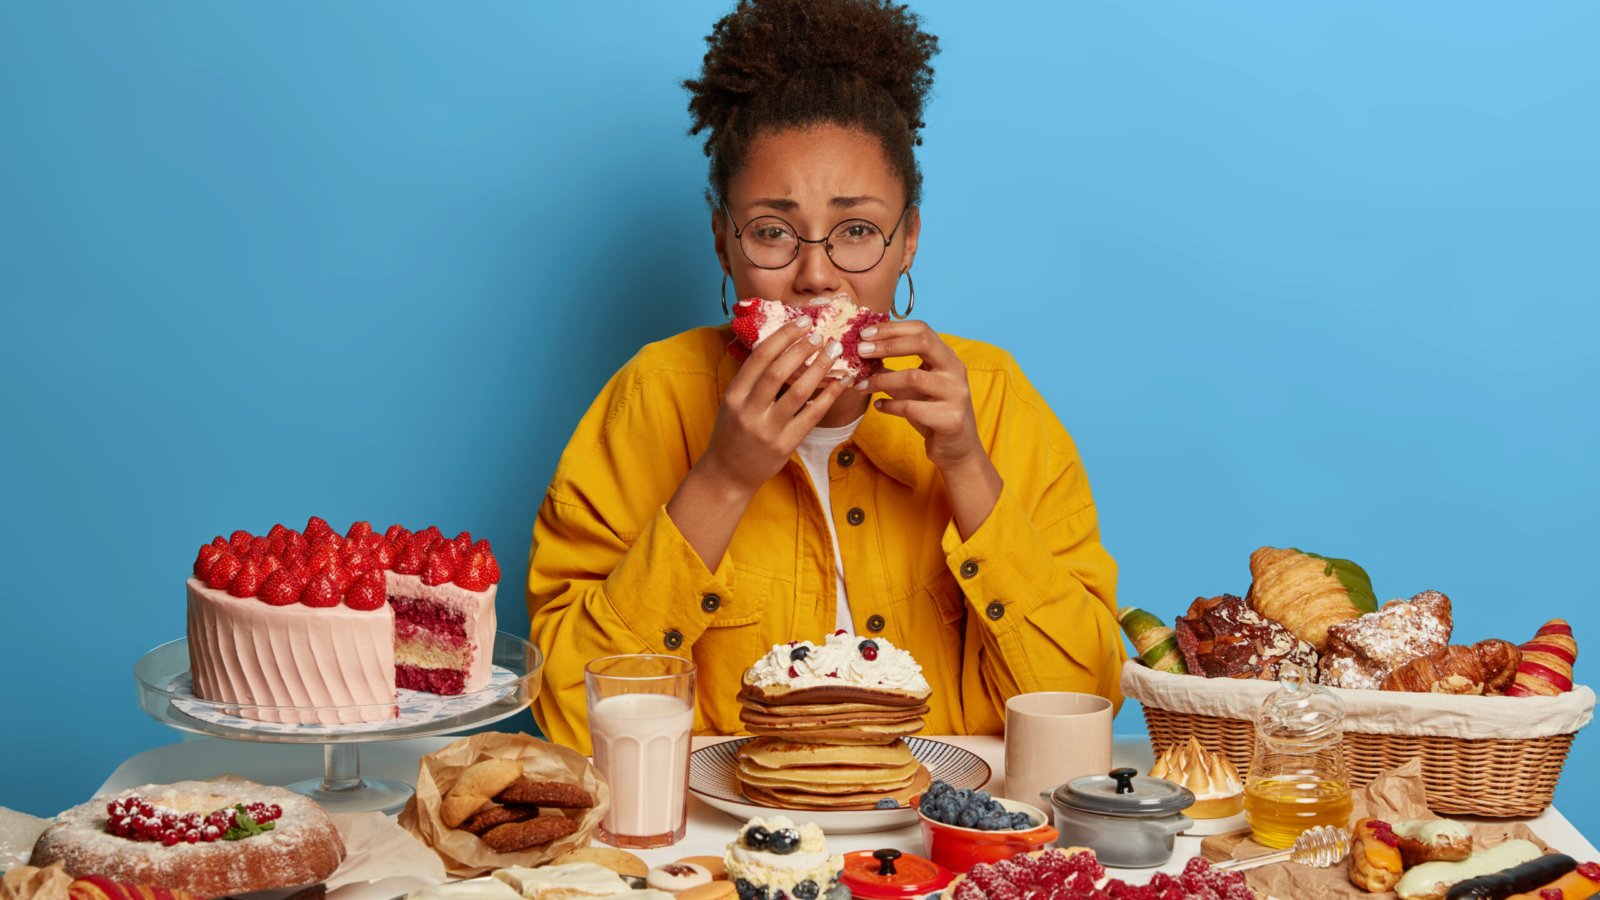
(1155, 643)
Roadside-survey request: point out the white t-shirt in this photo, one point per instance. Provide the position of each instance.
(815, 450)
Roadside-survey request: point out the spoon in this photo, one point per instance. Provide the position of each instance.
(1318, 847)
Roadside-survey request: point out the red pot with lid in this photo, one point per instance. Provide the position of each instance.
(888, 874)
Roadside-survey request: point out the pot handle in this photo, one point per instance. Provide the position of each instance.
(1037, 837)
(1178, 823)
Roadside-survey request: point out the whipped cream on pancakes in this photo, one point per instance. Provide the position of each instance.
(840, 661)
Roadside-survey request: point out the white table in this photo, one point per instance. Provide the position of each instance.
(709, 830)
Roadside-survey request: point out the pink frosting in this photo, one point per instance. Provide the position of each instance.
(244, 651)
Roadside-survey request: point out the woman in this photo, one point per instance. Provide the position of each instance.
(712, 509)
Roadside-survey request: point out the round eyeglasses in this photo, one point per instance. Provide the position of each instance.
(854, 245)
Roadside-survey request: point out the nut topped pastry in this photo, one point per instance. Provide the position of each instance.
(1221, 637)
(1215, 783)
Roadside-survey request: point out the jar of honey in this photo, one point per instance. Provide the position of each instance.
(1297, 776)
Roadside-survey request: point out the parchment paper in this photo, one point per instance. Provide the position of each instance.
(1394, 795)
(464, 854)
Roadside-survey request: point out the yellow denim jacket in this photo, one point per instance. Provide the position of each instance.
(1027, 603)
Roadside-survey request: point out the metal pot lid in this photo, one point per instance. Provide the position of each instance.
(888, 874)
(1123, 792)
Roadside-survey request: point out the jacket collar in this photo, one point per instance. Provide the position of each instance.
(889, 441)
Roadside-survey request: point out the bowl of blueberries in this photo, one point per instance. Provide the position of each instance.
(961, 828)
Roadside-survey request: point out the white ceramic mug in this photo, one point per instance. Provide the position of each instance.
(1053, 737)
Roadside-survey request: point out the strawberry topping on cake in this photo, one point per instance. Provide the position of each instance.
(837, 318)
(312, 620)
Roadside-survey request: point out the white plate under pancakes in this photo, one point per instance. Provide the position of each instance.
(713, 778)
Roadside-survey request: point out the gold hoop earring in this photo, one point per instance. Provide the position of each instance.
(725, 294)
(911, 302)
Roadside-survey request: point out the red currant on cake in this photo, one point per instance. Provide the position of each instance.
(869, 649)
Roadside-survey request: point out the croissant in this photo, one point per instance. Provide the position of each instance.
(1307, 592)
(1500, 660)
(1451, 670)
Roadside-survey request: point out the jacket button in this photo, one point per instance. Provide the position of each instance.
(846, 458)
(969, 569)
(855, 516)
(711, 603)
(995, 610)
(875, 623)
(673, 639)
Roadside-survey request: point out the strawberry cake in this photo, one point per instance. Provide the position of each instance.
(317, 627)
(836, 318)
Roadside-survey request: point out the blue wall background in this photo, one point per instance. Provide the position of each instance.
(1321, 274)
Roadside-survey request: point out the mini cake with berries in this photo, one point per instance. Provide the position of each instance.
(829, 721)
(210, 838)
(775, 859)
(836, 318)
(317, 627)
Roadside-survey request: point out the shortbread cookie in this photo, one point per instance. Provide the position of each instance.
(678, 876)
(473, 788)
(712, 890)
(712, 864)
(534, 832)
(619, 861)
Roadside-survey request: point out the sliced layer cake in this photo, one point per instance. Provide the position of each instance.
(317, 627)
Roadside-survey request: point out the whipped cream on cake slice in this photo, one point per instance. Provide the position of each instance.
(836, 318)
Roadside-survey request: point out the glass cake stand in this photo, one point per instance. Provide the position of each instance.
(166, 693)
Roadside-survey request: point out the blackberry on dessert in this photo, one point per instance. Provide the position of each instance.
(395, 609)
(208, 838)
(776, 859)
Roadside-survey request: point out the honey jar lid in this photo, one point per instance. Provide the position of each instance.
(888, 874)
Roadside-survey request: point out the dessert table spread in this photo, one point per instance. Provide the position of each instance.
(709, 830)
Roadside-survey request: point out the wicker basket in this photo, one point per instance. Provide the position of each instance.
(1482, 777)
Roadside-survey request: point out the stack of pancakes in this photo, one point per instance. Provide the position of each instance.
(830, 747)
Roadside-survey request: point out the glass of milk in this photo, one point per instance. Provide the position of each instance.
(641, 712)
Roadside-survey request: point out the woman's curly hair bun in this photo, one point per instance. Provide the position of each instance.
(775, 64)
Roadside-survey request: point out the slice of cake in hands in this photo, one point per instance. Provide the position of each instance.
(836, 318)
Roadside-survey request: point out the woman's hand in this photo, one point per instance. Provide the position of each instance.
(934, 397)
(768, 407)
(937, 400)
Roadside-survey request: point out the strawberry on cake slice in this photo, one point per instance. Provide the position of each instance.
(836, 318)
